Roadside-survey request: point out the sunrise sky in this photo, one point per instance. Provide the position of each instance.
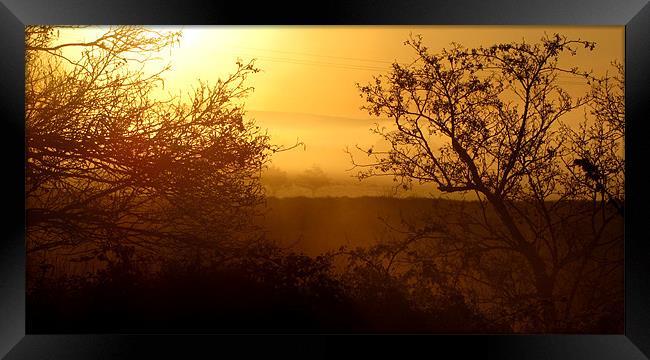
(306, 89)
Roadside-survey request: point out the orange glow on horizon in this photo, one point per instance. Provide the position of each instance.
(306, 88)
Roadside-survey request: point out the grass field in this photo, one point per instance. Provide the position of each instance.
(316, 225)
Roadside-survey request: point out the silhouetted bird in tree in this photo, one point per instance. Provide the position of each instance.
(591, 172)
(589, 168)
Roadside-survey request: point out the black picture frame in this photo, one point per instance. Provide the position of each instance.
(633, 14)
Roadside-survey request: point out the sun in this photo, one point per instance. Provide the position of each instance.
(192, 35)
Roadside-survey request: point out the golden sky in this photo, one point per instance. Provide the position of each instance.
(307, 90)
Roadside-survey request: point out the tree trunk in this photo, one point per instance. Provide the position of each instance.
(543, 282)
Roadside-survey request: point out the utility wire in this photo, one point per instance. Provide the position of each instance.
(563, 79)
(315, 55)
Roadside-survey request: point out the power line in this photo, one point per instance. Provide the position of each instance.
(315, 55)
(565, 76)
(563, 79)
(313, 62)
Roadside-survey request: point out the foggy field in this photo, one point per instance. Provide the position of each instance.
(317, 225)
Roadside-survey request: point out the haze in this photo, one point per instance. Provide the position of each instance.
(306, 88)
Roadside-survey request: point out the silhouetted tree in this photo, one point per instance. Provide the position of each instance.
(111, 163)
(274, 179)
(313, 179)
(489, 121)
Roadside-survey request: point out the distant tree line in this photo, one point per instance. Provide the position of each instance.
(312, 179)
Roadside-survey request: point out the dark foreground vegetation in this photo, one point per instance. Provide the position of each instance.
(264, 290)
(386, 286)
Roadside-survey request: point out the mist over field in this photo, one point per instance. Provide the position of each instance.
(317, 225)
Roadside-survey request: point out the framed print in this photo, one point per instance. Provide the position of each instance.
(467, 176)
